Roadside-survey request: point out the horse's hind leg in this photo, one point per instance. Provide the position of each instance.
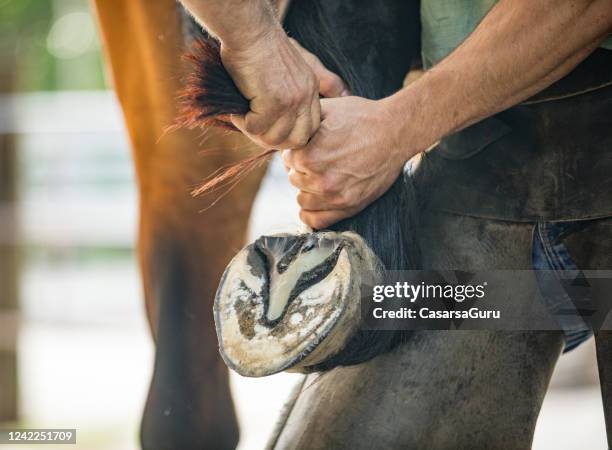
(441, 389)
(182, 250)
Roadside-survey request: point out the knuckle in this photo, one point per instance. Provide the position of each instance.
(254, 127)
(342, 201)
(279, 102)
(301, 141)
(318, 222)
(297, 141)
(282, 135)
(301, 158)
(297, 98)
(304, 217)
(328, 185)
(279, 137)
(307, 161)
(333, 86)
(302, 200)
(284, 106)
(273, 140)
(295, 180)
(284, 101)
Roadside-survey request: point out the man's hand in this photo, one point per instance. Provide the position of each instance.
(282, 82)
(351, 161)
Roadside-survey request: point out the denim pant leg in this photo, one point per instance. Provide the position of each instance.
(551, 256)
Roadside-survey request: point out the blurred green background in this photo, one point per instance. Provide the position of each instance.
(49, 45)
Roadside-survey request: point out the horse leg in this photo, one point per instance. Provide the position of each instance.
(182, 249)
(440, 389)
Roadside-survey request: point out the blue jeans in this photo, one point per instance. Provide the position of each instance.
(550, 254)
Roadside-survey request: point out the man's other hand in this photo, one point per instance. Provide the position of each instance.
(282, 82)
(354, 157)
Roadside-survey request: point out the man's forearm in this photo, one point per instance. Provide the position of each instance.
(237, 23)
(519, 48)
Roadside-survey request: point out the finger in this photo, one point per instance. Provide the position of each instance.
(313, 202)
(315, 112)
(301, 132)
(322, 219)
(327, 105)
(277, 135)
(291, 160)
(304, 182)
(238, 122)
(287, 158)
(330, 84)
(258, 123)
(294, 159)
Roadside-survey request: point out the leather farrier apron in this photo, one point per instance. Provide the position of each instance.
(490, 189)
(547, 159)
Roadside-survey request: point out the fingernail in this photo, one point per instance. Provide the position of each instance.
(345, 93)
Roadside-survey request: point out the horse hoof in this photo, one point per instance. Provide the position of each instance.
(288, 302)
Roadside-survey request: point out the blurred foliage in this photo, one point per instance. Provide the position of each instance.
(48, 45)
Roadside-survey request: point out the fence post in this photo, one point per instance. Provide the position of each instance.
(9, 279)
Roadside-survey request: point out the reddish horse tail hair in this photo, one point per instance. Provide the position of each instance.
(209, 98)
(210, 95)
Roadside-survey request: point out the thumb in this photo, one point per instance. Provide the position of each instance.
(327, 105)
(330, 84)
